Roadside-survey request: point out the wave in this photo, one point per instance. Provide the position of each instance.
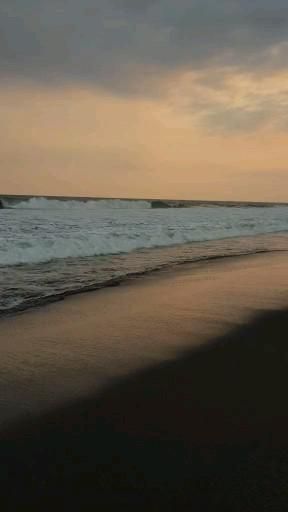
(25, 302)
(36, 251)
(43, 203)
(39, 236)
(44, 250)
(65, 203)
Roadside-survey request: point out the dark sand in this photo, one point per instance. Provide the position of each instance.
(206, 429)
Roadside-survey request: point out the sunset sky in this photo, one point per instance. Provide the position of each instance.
(145, 98)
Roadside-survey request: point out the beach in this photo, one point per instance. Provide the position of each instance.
(143, 256)
(166, 392)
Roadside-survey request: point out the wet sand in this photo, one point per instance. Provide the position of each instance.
(199, 419)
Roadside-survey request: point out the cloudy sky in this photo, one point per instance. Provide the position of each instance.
(145, 98)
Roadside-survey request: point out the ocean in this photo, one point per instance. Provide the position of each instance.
(51, 248)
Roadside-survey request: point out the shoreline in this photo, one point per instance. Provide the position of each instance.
(118, 281)
(193, 411)
(76, 346)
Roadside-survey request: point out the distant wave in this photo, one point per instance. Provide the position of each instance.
(42, 203)
(65, 203)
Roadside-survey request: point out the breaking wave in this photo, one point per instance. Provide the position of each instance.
(51, 248)
(43, 203)
(38, 236)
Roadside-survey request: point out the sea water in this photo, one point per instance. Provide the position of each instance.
(51, 248)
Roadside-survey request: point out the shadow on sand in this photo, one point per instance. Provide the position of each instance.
(205, 430)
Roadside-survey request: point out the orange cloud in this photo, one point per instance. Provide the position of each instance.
(74, 140)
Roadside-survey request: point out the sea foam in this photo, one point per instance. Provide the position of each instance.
(56, 204)
(41, 235)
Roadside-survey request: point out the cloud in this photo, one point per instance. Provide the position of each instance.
(230, 101)
(207, 58)
(248, 103)
(122, 44)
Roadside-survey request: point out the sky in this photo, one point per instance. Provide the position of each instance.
(145, 98)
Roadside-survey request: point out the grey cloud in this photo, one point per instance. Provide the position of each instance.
(134, 5)
(259, 111)
(236, 119)
(113, 43)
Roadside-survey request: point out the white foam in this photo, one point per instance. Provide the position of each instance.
(34, 236)
(56, 204)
